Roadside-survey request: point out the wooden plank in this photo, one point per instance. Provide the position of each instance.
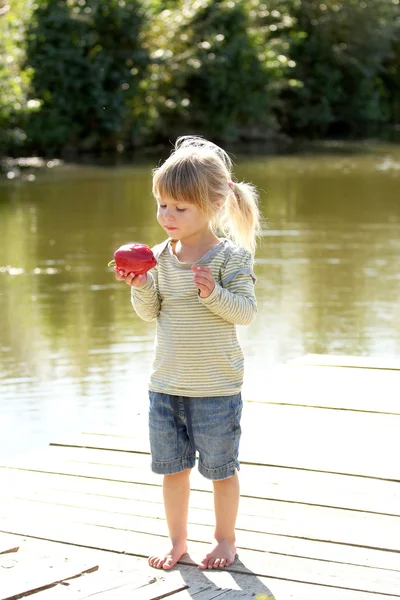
(255, 415)
(8, 543)
(361, 362)
(278, 522)
(287, 590)
(322, 440)
(271, 483)
(254, 530)
(171, 585)
(256, 480)
(161, 588)
(114, 570)
(27, 578)
(212, 594)
(153, 589)
(312, 440)
(58, 526)
(330, 388)
(278, 543)
(259, 588)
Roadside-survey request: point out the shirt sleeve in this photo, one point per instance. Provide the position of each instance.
(146, 300)
(234, 299)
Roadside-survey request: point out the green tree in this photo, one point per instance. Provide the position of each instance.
(14, 79)
(339, 48)
(88, 62)
(216, 68)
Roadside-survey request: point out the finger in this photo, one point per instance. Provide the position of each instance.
(129, 278)
(202, 287)
(203, 273)
(205, 290)
(203, 280)
(139, 280)
(119, 275)
(201, 268)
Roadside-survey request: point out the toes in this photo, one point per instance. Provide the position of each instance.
(209, 562)
(168, 563)
(156, 562)
(153, 560)
(216, 563)
(204, 563)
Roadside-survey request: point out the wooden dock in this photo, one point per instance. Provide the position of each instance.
(319, 514)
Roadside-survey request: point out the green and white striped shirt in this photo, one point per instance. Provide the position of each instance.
(197, 353)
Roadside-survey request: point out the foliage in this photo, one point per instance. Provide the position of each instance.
(215, 63)
(14, 79)
(94, 75)
(340, 50)
(88, 62)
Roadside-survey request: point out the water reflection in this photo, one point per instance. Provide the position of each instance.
(72, 353)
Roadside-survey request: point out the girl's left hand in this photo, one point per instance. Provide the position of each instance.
(203, 280)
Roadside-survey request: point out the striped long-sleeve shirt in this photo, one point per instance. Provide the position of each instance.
(197, 353)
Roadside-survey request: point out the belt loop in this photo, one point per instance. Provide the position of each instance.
(186, 407)
(175, 406)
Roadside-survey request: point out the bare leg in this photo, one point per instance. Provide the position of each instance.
(226, 504)
(176, 491)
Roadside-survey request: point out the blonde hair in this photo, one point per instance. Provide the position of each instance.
(200, 172)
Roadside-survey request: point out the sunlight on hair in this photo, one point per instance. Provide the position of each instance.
(200, 172)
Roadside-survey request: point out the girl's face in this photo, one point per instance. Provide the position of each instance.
(182, 220)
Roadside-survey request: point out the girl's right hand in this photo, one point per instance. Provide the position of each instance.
(136, 281)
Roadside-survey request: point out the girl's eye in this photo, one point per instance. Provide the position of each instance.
(178, 209)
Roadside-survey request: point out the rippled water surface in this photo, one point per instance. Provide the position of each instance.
(73, 355)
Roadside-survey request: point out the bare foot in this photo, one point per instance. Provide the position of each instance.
(168, 560)
(223, 554)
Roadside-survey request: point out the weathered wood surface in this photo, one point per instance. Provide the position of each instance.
(8, 544)
(343, 442)
(359, 362)
(326, 387)
(183, 582)
(281, 484)
(37, 573)
(141, 510)
(320, 508)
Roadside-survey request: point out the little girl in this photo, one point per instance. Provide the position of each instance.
(201, 288)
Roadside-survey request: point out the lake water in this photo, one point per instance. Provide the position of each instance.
(73, 354)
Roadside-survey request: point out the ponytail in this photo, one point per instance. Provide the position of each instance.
(200, 172)
(240, 216)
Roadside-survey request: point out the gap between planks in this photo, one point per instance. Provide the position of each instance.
(344, 361)
(257, 483)
(259, 564)
(300, 437)
(266, 520)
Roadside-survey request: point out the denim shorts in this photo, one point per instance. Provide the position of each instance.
(180, 427)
